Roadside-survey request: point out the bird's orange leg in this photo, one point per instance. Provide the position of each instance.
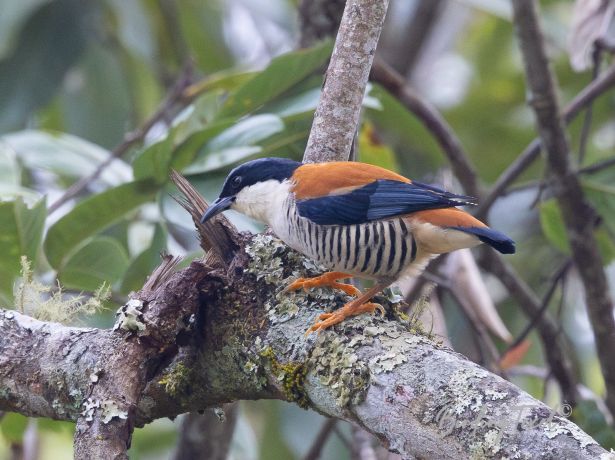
(355, 307)
(327, 279)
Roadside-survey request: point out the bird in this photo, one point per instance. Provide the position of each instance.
(355, 219)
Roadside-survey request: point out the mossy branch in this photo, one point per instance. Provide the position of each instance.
(241, 337)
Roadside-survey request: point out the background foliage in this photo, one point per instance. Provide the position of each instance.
(200, 86)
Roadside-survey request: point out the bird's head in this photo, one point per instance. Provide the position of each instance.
(251, 187)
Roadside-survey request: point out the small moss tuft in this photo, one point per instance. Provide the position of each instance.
(177, 380)
(291, 377)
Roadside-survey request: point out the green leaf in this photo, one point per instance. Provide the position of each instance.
(373, 151)
(175, 150)
(154, 161)
(13, 426)
(98, 109)
(553, 227)
(202, 26)
(144, 263)
(63, 154)
(101, 260)
(281, 74)
(49, 44)
(236, 143)
(21, 231)
(94, 215)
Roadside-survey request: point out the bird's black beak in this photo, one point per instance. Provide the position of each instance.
(221, 204)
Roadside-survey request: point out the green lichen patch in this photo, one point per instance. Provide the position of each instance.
(291, 377)
(488, 446)
(177, 381)
(336, 364)
(271, 260)
(464, 391)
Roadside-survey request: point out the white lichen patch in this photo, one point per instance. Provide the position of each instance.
(608, 455)
(552, 429)
(220, 414)
(129, 316)
(464, 391)
(557, 426)
(387, 362)
(111, 410)
(89, 409)
(492, 441)
(337, 366)
(494, 395)
(488, 446)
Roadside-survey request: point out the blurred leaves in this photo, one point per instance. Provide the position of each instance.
(62, 154)
(21, 230)
(93, 215)
(99, 261)
(13, 426)
(143, 265)
(53, 38)
(280, 75)
(553, 227)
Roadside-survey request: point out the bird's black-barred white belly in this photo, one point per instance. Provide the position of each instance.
(379, 249)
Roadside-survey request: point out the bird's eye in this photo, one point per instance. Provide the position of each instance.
(237, 181)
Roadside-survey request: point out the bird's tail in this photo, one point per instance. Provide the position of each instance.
(493, 238)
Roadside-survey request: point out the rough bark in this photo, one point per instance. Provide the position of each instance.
(246, 341)
(579, 217)
(338, 111)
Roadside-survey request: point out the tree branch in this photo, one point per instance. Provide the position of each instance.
(339, 108)
(247, 341)
(578, 215)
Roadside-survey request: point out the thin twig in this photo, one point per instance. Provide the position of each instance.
(404, 51)
(554, 343)
(130, 139)
(555, 280)
(532, 151)
(450, 144)
(481, 334)
(321, 439)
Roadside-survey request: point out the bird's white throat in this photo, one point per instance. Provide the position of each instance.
(262, 201)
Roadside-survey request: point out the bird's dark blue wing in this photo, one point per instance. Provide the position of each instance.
(380, 199)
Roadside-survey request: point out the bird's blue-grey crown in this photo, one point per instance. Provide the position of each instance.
(247, 174)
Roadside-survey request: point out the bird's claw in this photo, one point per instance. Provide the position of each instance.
(326, 320)
(327, 279)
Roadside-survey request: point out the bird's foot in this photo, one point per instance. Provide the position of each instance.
(327, 279)
(326, 320)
